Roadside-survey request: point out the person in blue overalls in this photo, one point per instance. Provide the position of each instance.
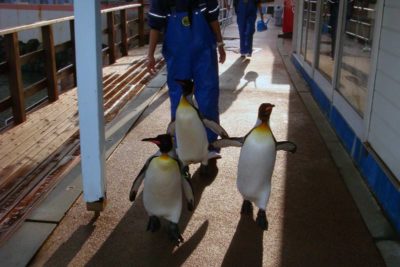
(246, 12)
(191, 37)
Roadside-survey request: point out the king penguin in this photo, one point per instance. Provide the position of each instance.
(256, 163)
(162, 191)
(189, 127)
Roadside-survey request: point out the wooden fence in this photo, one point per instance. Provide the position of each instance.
(11, 67)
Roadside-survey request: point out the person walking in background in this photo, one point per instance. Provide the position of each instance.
(246, 12)
(191, 37)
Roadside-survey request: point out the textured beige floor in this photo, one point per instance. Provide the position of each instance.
(313, 220)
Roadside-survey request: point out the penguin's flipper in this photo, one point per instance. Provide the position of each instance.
(216, 128)
(188, 191)
(139, 179)
(171, 128)
(286, 146)
(194, 102)
(227, 142)
(136, 184)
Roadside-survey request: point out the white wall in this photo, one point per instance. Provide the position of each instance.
(14, 17)
(384, 134)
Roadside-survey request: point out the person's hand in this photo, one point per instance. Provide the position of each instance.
(222, 54)
(151, 63)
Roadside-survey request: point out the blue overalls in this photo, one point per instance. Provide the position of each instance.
(246, 12)
(190, 53)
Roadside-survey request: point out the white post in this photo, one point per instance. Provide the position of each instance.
(90, 101)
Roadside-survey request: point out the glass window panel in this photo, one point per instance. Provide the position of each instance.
(304, 28)
(327, 41)
(356, 59)
(312, 11)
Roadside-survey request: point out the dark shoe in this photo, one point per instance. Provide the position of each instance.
(286, 35)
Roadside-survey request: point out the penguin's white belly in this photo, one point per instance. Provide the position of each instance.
(256, 164)
(192, 143)
(162, 192)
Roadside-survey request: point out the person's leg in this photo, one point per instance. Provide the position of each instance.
(206, 82)
(176, 69)
(250, 30)
(177, 57)
(241, 21)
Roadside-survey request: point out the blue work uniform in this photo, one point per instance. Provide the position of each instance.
(190, 51)
(246, 12)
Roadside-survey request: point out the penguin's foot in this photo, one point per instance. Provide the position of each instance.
(154, 224)
(247, 208)
(174, 234)
(261, 220)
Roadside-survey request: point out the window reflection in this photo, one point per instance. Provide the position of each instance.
(329, 19)
(304, 29)
(312, 10)
(308, 25)
(356, 57)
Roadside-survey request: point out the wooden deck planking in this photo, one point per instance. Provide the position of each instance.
(116, 83)
(36, 116)
(40, 137)
(111, 77)
(31, 135)
(119, 89)
(39, 153)
(32, 179)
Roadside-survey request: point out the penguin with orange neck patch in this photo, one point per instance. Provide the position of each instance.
(190, 127)
(163, 186)
(256, 163)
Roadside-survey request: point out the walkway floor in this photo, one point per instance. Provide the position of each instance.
(313, 220)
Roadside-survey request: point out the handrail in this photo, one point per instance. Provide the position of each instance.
(111, 9)
(59, 20)
(117, 47)
(19, 92)
(35, 25)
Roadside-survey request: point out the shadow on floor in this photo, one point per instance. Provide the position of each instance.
(246, 248)
(67, 251)
(230, 80)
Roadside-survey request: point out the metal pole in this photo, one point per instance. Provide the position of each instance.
(90, 101)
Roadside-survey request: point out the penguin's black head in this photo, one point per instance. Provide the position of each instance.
(163, 141)
(264, 111)
(187, 87)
